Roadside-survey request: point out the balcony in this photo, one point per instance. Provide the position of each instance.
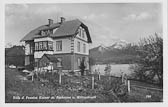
(44, 46)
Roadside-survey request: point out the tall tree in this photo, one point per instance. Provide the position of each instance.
(150, 62)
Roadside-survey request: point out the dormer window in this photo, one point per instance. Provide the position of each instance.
(51, 31)
(47, 32)
(42, 33)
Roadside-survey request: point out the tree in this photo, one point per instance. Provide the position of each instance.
(150, 61)
(15, 56)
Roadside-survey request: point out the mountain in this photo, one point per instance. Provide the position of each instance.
(119, 44)
(116, 45)
(120, 52)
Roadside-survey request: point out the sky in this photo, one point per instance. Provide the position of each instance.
(107, 22)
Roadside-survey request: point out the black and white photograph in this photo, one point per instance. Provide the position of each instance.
(83, 52)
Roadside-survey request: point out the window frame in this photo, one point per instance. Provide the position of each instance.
(78, 46)
(78, 61)
(59, 45)
(36, 47)
(83, 33)
(40, 46)
(48, 46)
(84, 48)
(46, 42)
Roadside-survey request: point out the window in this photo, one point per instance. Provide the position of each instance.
(50, 45)
(79, 30)
(83, 33)
(47, 32)
(45, 45)
(43, 33)
(36, 46)
(84, 48)
(79, 62)
(78, 46)
(58, 45)
(40, 45)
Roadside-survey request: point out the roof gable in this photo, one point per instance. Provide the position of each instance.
(51, 58)
(67, 28)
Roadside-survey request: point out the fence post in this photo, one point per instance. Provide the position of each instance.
(60, 78)
(129, 89)
(92, 81)
(99, 76)
(32, 77)
(122, 77)
(60, 72)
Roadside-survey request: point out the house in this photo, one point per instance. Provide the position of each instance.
(68, 41)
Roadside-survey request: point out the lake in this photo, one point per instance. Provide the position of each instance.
(116, 69)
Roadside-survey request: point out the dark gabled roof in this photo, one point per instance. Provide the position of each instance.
(67, 28)
(51, 58)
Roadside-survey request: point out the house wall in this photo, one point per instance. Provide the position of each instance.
(29, 52)
(76, 40)
(75, 61)
(29, 59)
(81, 36)
(70, 61)
(29, 48)
(66, 45)
(66, 60)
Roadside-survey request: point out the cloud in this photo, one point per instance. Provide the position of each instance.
(138, 17)
(96, 16)
(101, 34)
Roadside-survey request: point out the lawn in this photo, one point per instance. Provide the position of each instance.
(74, 89)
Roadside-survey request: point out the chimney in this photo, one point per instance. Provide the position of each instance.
(50, 22)
(62, 19)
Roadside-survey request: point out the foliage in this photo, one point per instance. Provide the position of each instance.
(15, 56)
(150, 62)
